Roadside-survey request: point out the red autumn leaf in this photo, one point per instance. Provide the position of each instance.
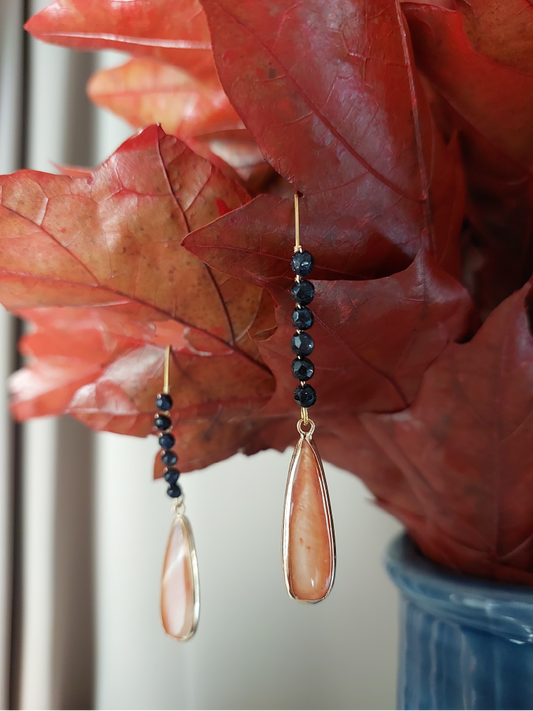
(107, 250)
(240, 151)
(340, 114)
(496, 99)
(501, 30)
(92, 236)
(464, 448)
(65, 359)
(345, 443)
(448, 4)
(478, 58)
(374, 339)
(174, 32)
(498, 252)
(104, 369)
(145, 92)
(254, 243)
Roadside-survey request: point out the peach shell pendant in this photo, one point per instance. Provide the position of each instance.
(180, 588)
(308, 536)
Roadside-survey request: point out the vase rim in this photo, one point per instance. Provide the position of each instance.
(491, 606)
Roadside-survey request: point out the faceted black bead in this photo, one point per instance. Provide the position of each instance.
(162, 422)
(303, 292)
(302, 318)
(167, 441)
(174, 491)
(305, 395)
(302, 263)
(302, 344)
(169, 458)
(171, 475)
(302, 368)
(163, 402)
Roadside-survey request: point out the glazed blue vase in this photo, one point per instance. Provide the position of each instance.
(465, 643)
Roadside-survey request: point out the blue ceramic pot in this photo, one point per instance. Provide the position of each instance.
(465, 643)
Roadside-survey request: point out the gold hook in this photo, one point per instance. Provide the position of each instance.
(297, 245)
(166, 376)
(298, 248)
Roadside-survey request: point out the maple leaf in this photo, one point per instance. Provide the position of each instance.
(175, 32)
(340, 114)
(146, 92)
(463, 448)
(107, 251)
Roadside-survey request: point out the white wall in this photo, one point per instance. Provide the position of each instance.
(255, 648)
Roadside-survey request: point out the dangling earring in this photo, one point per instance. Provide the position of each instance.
(308, 537)
(180, 588)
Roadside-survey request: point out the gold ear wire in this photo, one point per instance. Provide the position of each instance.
(297, 246)
(166, 376)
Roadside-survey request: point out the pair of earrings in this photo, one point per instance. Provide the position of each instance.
(308, 538)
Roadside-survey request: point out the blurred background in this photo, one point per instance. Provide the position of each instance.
(83, 527)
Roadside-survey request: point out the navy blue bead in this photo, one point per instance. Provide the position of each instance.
(302, 368)
(305, 395)
(302, 344)
(167, 441)
(163, 402)
(171, 475)
(162, 422)
(174, 491)
(169, 458)
(302, 318)
(303, 292)
(302, 263)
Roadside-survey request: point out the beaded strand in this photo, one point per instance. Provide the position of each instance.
(163, 423)
(302, 344)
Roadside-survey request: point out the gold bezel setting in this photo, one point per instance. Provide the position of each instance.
(293, 468)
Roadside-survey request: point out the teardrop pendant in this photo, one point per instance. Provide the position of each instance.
(308, 539)
(180, 589)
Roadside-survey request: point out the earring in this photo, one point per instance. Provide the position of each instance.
(308, 536)
(180, 587)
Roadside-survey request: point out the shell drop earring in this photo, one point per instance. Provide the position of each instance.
(180, 587)
(308, 536)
